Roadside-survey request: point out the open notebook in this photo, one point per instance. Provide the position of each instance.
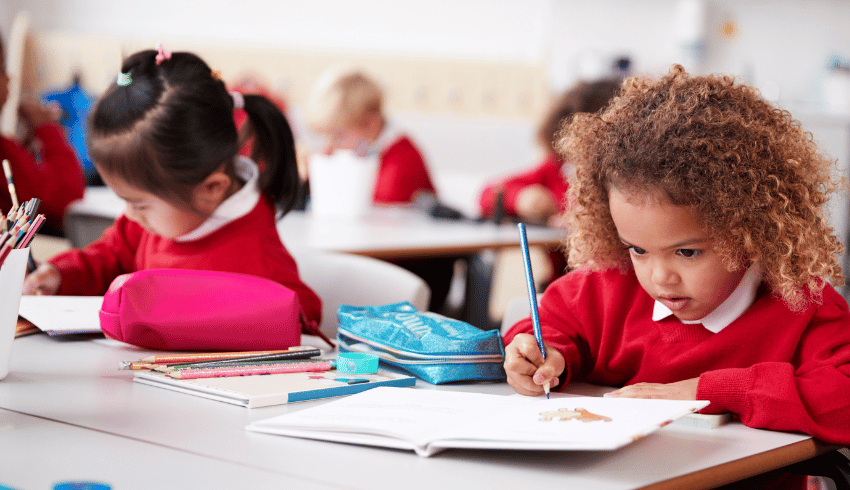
(62, 315)
(429, 421)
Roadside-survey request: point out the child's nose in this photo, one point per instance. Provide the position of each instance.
(663, 274)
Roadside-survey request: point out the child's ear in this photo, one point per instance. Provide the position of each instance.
(212, 191)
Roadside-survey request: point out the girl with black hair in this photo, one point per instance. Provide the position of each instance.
(163, 138)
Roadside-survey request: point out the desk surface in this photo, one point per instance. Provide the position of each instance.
(385, 232)
(71, 388)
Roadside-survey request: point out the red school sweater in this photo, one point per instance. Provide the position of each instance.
(775, 368)
(401, 174)
(548, 174)
(248, 245)
(57, 179)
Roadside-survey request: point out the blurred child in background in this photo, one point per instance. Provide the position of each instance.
(538, 194)
(346, 110)
(52, 173)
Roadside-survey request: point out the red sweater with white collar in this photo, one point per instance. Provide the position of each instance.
(775, 368)
(247, 245)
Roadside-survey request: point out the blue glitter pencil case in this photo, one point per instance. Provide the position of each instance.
(432, 347)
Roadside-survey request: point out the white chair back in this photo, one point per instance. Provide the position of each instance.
(516, 309)
(340, 278)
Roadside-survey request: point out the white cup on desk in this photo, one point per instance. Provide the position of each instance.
(12, 275)
(342, 184)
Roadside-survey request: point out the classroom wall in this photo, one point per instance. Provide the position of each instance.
(781, 46)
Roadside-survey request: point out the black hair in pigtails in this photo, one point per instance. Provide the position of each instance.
(274, 145)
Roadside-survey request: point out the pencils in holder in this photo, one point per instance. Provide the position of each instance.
(532, 297)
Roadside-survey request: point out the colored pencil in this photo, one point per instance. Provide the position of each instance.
(299, 367)
(532, 298)
(290, 355)
(197, 357)
(8, 171)
(170, 368)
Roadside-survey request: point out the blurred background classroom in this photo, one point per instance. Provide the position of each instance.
(468, 79)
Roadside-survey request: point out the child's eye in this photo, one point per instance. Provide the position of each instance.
(636, 250)
(688, 252)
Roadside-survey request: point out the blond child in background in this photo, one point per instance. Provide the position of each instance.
(703, 257)
(346, 110)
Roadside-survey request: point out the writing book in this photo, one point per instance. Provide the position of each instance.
(276, 389)
(62, 315)
(430, 421)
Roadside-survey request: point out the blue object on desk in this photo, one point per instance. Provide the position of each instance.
(532, 290)
(432, 347)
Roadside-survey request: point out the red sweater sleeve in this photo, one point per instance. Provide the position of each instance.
(548, 174)
(90, 271)
(57, 179)
(402, 173)
(810, 394)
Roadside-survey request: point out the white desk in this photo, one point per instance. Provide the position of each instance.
(64, 388)
(386, 232)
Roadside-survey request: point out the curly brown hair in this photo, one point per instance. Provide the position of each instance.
(756, 178)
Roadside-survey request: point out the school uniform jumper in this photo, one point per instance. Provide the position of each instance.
(401, 171)
(56, 177)
(775, 368)
(548, 173)
(248, 244)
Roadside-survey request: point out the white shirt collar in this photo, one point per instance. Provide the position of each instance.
(234, 207)
(389, 135)
(734, 306)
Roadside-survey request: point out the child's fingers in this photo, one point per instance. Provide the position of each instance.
(44, 280)
(525, 367)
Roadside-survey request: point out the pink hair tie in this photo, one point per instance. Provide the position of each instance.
(162, 54)
(238, 100)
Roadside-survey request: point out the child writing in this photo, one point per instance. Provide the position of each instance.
(538, 194)
(53, 175)
(163, 138)
(346, 109)
(698, 224)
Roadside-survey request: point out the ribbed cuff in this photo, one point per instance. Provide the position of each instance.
(726, 389)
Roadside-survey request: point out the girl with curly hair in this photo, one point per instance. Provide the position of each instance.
(703, 261)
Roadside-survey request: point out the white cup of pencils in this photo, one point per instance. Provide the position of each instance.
(17, 229)
(12, 274)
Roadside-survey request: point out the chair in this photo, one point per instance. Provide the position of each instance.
(516, 309)
(340, 278)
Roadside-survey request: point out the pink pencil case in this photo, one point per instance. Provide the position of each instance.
(176, 309)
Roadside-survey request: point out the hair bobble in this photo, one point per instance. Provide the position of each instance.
(161, 54)
(238, 100)
(124, 79)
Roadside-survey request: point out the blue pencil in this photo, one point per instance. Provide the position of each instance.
(532, 297)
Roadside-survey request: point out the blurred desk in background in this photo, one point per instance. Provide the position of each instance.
(384, 233)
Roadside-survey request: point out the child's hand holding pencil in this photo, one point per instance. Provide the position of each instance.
(526, 368)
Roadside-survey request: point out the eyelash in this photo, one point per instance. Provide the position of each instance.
(694, 252)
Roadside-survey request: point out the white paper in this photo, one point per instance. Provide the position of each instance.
(428, 421)
(63, 314)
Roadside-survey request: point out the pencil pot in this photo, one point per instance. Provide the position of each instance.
(342, 184)
(12, 274)
(432, 347)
